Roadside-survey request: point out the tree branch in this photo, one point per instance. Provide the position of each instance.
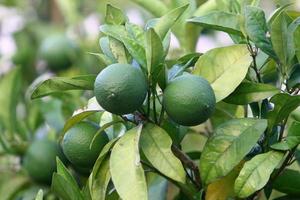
(188, 163)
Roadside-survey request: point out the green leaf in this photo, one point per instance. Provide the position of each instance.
(134, 47)
(291, 38)
(136, 33)
(105, 48)
(91, 108)
(125, 167)
(256, 173)
(63, 189)
(225, 68)
(157, 186)
(61, 84)
(279, 35)
(228, 146)
(154, 53)
(248, 92)
(294, 80)
(164, 24)
(63, 171)
(39, 195)
(102, 129)
(101, 177)
(155, 7)
(10, 85)
(288, 182)
(219, 20)
(277, 12)
(284, 104)
(256, 29)
(292, 139)
(225, 112)
(118, 50)
(156, 145)
(297, 42)
(114, 16)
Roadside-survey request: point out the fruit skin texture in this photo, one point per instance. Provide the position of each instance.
(189, 100)
(120, 88)
(58, 52)
(76, 144)
(40, 160)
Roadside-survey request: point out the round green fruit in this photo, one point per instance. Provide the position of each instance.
(120, 88)
(76, 144)
(58, 52)
(40, 160)
(189, 100)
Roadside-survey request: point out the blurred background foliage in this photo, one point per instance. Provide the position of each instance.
(24, 27)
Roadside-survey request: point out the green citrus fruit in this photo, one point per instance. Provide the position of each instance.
(40, 160)
(120, 88)
(58, 52)
(76, 144)
(189, 100)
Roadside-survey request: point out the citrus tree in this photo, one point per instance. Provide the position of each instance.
(239, 97)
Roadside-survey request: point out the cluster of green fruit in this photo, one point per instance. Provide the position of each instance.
(40, 158)
(121, 89)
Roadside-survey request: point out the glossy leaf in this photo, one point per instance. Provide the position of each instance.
(279, 35)
(292, 32)
(100, 176)
(63, 171)
(248, 92)
(114, 16)
(80, 114)
(154, 52)
(136, 32)
(221, 21)
(276, 13)
(297, 43)
(164, 24)
(225, 68)
(294, 79)
(256, 29)
(288, 182)
(256, 173)
(229, 144)
(292, 139)
(100, 181)
(134, 47)
(225, 112)
(63, 189)
(125, 167)
(104, 46)
(156, 145)
(118, 50)
(157, 187)
(284, 104)
(61, 84)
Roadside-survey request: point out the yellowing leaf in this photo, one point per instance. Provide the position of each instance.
(223, 188)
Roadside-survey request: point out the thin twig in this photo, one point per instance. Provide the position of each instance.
(188, 163)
